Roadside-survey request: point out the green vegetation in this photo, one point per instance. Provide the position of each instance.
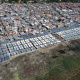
(19, 68)
(4, 27)
(38, 78)
(62, 0)
(66, 69)
(5, 15)
(26, 79)
(16, 74)
(55, 63)
(2, 1)
(49, 62)
(13, 1)
(44, 72)
(35, 1)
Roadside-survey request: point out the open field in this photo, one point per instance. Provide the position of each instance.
(55, 62)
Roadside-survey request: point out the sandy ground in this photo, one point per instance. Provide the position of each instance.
(31, 63)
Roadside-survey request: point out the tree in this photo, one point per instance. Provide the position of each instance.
(2, 1)
(13, 1)
(41, 0)
(5, 15)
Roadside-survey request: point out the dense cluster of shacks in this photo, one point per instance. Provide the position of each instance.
(25, 27)
(19, 19)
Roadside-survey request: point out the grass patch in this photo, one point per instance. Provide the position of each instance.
(71, 63)
(66, 69)
(54, 69)
(26, 79)
(20, 67)
(38, 78)
(49, 62)
(43, 72)
(16, 74)
(29, 78)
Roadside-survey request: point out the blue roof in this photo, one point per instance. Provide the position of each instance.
(56, 30)
(28, 49)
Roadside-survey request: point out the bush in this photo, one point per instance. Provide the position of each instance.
(2, 1)
(5, 15)
(38, 78)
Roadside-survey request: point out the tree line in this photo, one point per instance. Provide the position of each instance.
(35, 1)
(63, 0)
